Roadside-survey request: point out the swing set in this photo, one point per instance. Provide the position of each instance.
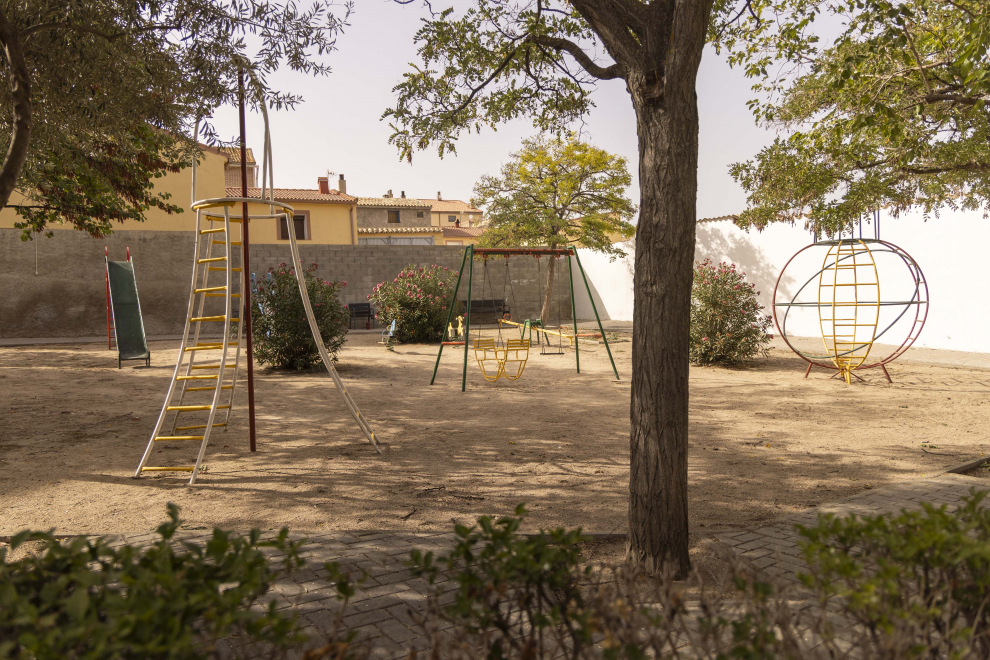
(507, 359)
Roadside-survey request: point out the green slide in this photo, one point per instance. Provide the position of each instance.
(127, 321)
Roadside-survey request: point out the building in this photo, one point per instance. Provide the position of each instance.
(322, 215)
(390, 220)
(450, 212)
(461, 235)
(232, 173)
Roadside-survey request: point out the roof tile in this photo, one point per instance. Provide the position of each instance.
(296, 195)
(463, 232)
(393, 202)
(399, 230)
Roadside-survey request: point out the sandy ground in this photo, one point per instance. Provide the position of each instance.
(765, 442)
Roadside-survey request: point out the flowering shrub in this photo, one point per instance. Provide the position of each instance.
(726, 323)
(281, 333)
(417, 300)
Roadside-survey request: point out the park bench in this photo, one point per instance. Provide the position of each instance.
(361, 311)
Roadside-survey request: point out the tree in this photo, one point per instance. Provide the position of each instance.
(891, 114)
(540, 59)
(105, 93)
(557, 192)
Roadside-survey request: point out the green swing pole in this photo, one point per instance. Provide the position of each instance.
(450, 313)
(577, 349)
(595, 309)
(467, 315)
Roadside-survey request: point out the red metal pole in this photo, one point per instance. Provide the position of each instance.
(106, 254)
(246, 263)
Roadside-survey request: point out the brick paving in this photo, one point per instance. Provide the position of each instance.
(383, 609)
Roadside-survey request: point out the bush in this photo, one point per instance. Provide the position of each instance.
(726, 324)
(282, 337)
(86, 599)
(417, 301)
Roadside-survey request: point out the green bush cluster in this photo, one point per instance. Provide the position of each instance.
(282, 336)
(726, 324)
(417, 300)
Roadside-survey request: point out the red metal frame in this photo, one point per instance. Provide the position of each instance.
(913, 333)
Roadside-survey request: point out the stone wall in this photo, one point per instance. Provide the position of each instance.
(67, 298)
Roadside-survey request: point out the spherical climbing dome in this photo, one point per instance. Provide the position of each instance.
(862, 294)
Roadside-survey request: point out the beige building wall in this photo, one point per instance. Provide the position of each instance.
(209, 184)
(327, 224)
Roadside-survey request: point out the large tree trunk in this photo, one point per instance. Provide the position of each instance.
(548, 294)
(667, 125)
(20, 92)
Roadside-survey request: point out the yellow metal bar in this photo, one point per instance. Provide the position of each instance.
(166, 469)
(210, 260)
(206, 366)
(177, 437)
(192, 408)
(203, 377)
(203, 389)
(211, 318)
(197, 426)
(211, 231)
(211, 347)
(210, 288)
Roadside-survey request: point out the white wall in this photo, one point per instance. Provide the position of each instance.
(949, 249)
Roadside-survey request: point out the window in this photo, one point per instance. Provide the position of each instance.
(393, 217)
(419, 214)
(300, 222)
(451, 218)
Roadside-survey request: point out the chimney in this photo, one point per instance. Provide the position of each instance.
(457, 223)
(324, 185)
(439, 198)
(389, 193)
(342, 185)
(403, 194)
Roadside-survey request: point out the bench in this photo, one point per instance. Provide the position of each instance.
(494, 306)
(363, 311)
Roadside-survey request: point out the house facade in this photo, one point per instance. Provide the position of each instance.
(453, 213)
(390, 220)
(321, 216)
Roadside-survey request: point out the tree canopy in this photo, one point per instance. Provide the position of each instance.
(557, 191)
(891, 113)
(105, 94)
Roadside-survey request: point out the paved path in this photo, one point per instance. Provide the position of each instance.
(380, 611)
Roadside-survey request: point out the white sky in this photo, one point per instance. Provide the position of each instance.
(338, 127)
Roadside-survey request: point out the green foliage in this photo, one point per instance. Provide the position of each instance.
(557, 192)
(901, 575)
(86, 599)
(117, 86)
(417, 300)
(726, 324)
(891, 114)
(282, 336)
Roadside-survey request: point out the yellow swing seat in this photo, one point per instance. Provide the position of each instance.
(488, 359)
(514, 358)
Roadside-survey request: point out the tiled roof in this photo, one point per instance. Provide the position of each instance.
(450, 206)
(296, 195)
(393, 202)
(399, 230)
(463, 232)
(719, 218)
(234, 153)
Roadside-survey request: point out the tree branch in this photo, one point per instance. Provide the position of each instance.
(602, 73)
(23, 108)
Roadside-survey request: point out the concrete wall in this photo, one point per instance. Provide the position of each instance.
(67, 298)
(377, 216)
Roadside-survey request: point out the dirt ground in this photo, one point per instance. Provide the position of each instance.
(765, 442)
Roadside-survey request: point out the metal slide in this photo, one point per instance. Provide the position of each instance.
(125, 311)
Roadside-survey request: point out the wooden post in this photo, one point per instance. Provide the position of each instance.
(246, 263)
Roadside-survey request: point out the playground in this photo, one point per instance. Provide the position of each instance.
(765, 442)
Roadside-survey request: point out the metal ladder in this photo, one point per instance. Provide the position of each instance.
(206, 362)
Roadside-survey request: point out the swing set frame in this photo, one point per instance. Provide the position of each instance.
(468, 259)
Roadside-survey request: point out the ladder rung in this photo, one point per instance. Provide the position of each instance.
(157, 469)
(211, 288)
(177, 437)
(205, 366)
(221, 295)
(210, 260)
(197, 319)
(203, 389)
(211, 231)
(236, 270)
(209, 347)
(197, 426)
(216, 343)
(192, 408)
(232, 219)
(225, 242)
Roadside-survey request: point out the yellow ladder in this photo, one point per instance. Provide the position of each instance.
(203, 368)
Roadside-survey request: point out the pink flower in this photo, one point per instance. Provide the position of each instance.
(344, 283)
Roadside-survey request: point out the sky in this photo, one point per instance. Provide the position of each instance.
(338, 127)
